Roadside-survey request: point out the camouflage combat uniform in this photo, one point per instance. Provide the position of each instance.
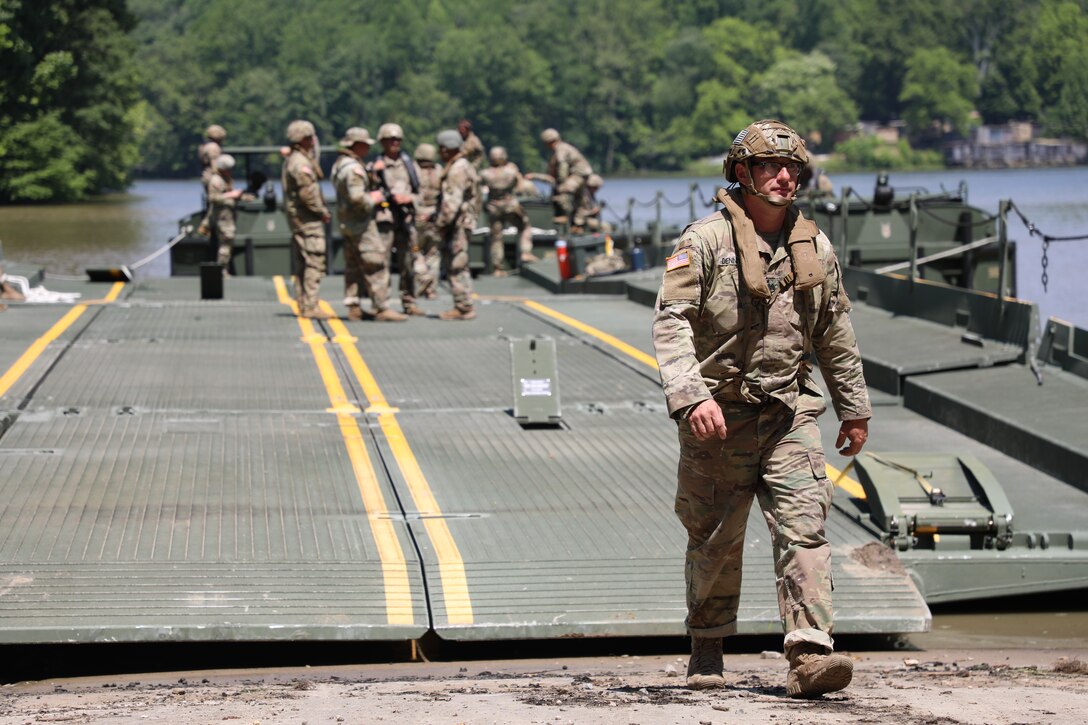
(397, 226)
(503, 209)
(366, 258)
(570, 170)
(429, 259)
(714, 339)
(306, 212)
(208, 152)
(221, 216)
(473, 149)
(457, 212)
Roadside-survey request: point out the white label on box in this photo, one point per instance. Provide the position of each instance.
(536, 387)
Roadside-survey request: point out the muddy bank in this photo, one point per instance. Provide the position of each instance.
(934, 687)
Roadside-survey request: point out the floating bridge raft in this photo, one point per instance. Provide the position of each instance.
(179, 469)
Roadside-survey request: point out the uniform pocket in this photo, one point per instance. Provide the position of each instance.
(723, 302)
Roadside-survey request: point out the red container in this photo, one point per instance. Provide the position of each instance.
(563, 257)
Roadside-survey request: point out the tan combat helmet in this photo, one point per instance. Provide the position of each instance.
(449, 139)
(768, 139)
(224, 162)
(497, 155)
(426, 152)
(215, 132)
(354, 135)
(300, 130)
(390, 130)
(594, 181)
(548, 135)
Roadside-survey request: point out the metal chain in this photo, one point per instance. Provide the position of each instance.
(1045, 262)
(1047, 239)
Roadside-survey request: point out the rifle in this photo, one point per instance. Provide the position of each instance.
(401, 212)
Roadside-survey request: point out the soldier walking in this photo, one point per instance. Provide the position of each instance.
(748, 294)
(455, 219)
(306, 216)
(222, 214)
(366, 258)
(395, 174)
(429, 259)
(503, 208)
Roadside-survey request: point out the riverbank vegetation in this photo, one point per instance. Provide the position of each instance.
(639, 84)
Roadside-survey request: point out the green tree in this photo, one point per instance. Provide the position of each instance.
(69, 99)
(802, 91)
(938, 89)
(1069, 116)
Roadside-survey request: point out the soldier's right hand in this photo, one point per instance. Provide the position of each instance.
(377, 196)
(706, 421)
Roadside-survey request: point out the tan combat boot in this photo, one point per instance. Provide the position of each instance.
(457, 314)
(315, 314)
(705, 665)
(356, 313)
(815, 671)
(414, 309)
(388, 315)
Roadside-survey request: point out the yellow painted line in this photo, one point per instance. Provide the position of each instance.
(843, 481)
(451, 567)
(604, 337)
(398, 599)
(839, 478)
(20, 366)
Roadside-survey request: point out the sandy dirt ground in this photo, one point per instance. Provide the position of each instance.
(921, 688)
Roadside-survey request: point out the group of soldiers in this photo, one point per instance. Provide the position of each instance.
(412, 214)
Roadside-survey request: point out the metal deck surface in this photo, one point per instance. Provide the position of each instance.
(179, 469)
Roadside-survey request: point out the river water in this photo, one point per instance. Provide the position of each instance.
(125, 228)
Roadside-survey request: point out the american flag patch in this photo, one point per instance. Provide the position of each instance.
(677, 261)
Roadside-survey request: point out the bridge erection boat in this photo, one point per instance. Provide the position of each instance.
(175, 468)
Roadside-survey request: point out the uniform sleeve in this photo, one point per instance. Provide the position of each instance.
(453, 195)
(562, 166)
(836, 347)
(676, 315)
(217, 190)
(358, 194)
(309, 191)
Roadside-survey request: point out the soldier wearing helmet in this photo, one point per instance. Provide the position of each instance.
(502, 179)
(366, 259)
(394, 173)
(307, 215)
(458, 208)
(591, 206)
(748, 296)
(429, 261)
(568, 171)
(222, 198)
(208, 152)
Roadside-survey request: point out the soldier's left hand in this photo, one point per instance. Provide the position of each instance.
(857, 432)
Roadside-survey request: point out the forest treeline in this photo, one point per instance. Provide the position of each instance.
(94, 91)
